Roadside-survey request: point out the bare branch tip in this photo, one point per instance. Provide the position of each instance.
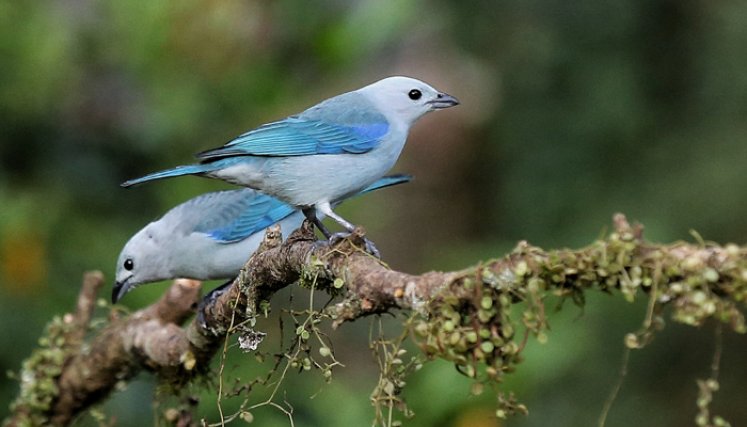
(359, 232)
(188, 285)
(272, 239)
(93, 279)
(621, 222)
(179, 301)
(304, 232)
(622, 226)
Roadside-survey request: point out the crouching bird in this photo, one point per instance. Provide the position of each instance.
(326, 153)
(208, 237)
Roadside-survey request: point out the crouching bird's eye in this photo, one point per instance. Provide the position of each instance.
(129, 264)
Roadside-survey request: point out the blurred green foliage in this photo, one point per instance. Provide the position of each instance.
(570, 111)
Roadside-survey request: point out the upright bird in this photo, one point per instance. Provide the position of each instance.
(326, 153)
(208, 237)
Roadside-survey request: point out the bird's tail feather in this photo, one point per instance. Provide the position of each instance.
(168, 173)
(387, 181)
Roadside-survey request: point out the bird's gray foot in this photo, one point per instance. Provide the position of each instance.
(209, 300)
(368, 245)
(310, 214)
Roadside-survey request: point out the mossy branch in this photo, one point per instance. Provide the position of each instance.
(462, 316)
(65, 376)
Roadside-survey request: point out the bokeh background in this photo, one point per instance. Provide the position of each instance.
(571, 111)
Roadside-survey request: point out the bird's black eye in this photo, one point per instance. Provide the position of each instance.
(415, 94)
(128, 264)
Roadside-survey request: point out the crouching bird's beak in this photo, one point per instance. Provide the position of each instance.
(119, 289)
(443, 100)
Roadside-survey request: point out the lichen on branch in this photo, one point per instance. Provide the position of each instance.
(464, 316)
(470, 323)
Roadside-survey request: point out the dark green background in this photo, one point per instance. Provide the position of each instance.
(571, 111)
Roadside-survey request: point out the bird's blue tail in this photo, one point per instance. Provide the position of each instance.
(168, 173)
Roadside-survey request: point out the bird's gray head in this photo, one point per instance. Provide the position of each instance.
(404, 99)
(139, 262)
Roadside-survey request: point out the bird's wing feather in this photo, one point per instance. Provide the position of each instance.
(344, 124)
(241, 215)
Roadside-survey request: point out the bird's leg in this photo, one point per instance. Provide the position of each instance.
(209, 299)
(310, 214)
(326, 209)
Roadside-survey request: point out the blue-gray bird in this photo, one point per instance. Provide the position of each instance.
(326, 153)
(208, 237)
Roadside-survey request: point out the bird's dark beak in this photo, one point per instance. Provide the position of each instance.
(443, 100)
(119, 289)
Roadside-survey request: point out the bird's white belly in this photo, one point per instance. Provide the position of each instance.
(326, 178)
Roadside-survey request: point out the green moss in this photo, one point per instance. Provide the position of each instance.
(472, 323)
(39, 373)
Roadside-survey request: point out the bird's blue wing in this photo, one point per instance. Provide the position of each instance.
(232, 216)
(242, 217)
(345, 124)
